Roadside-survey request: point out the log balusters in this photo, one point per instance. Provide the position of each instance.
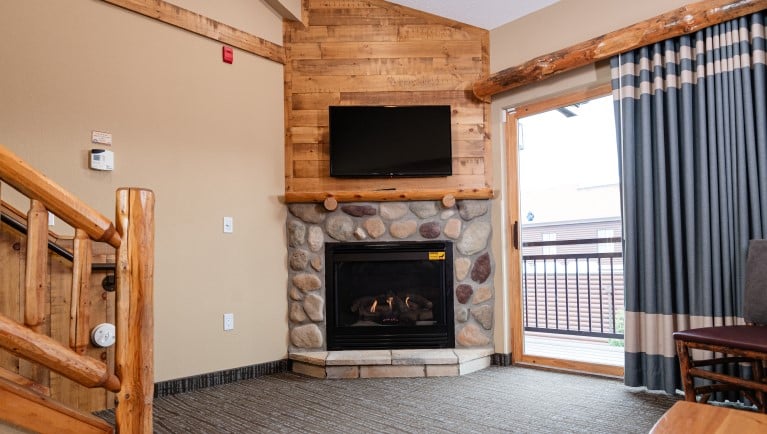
(36, 267)
(36, 282)
(79, 308)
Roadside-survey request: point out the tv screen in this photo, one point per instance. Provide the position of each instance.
(389, 141)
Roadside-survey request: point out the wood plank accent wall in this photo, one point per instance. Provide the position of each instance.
(57, 295)
(371, 52)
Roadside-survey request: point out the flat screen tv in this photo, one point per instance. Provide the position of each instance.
(390, 141)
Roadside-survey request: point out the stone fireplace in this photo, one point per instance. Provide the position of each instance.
(463, 232)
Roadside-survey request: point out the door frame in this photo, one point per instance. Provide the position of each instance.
(513, 253)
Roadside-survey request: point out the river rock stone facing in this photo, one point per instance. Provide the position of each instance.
(316, 263)
(358, 210)
(463, 293)
(296, 234)
(461, 315)
(310, 225)
(295, 294)
(424, 210)
(308, 212)
(316, 238)
(306, 336)
(403, 229)
(297, 313)
(483, 315)
(471, 209)
(340, 227)
(375, 227)
(429, 230)
(474, 238)
(307, 282)
(299, 258)
(453, 228)
(483, 294)
(461, 268)
(472, 336)
(393, 211)
(314, 306)
(481, 269)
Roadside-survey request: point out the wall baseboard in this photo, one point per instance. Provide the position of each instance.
(501, 359)
(188, 384)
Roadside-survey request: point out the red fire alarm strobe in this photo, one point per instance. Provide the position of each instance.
(228, 54)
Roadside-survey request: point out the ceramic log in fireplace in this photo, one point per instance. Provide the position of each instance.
(389, 295)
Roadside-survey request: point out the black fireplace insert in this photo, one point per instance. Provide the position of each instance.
(389, 295)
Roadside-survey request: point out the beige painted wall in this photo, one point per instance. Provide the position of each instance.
(252, 16)
(558, 26)
(207, 137)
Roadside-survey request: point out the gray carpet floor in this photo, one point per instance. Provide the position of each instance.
(493, 400)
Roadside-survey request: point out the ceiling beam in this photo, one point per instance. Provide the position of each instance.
(684, 20)
(191, 21)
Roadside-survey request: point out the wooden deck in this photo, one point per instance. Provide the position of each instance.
(576, 348)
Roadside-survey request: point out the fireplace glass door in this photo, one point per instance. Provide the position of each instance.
(389, 295)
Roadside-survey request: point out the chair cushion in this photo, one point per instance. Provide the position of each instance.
(755, 291)
(753, 338)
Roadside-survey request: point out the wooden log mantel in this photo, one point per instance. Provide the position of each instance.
(387, 195)
(685, 20)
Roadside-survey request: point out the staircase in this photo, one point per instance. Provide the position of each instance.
(25, 397)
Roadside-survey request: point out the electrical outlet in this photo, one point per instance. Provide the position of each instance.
(228, 321)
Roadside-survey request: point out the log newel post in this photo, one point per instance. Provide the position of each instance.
(134, 314)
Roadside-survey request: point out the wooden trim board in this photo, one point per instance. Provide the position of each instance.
(191, 21)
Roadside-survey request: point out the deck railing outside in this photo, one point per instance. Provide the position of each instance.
(574, 293)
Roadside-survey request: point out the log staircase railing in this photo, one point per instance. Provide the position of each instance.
(133, 238)
(13, 218)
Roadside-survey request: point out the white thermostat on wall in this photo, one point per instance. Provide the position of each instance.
(101, 159)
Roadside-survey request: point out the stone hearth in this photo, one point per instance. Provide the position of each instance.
(467, 224)
(391, 363)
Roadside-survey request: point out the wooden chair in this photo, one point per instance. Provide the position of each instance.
(744, 344)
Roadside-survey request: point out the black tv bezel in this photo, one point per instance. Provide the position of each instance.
(394, 174)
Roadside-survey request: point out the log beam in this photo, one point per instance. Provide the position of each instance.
(387, 195)
(193, 22)
(685, 20)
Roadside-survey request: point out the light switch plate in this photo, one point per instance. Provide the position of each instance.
(228, 225)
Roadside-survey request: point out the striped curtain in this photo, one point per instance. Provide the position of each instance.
(692, 135)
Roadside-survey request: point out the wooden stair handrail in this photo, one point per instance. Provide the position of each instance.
(23, 407)
(48, 352)
(23, 381)
(73, 211)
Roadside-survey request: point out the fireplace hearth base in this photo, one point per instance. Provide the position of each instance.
(442, 362)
